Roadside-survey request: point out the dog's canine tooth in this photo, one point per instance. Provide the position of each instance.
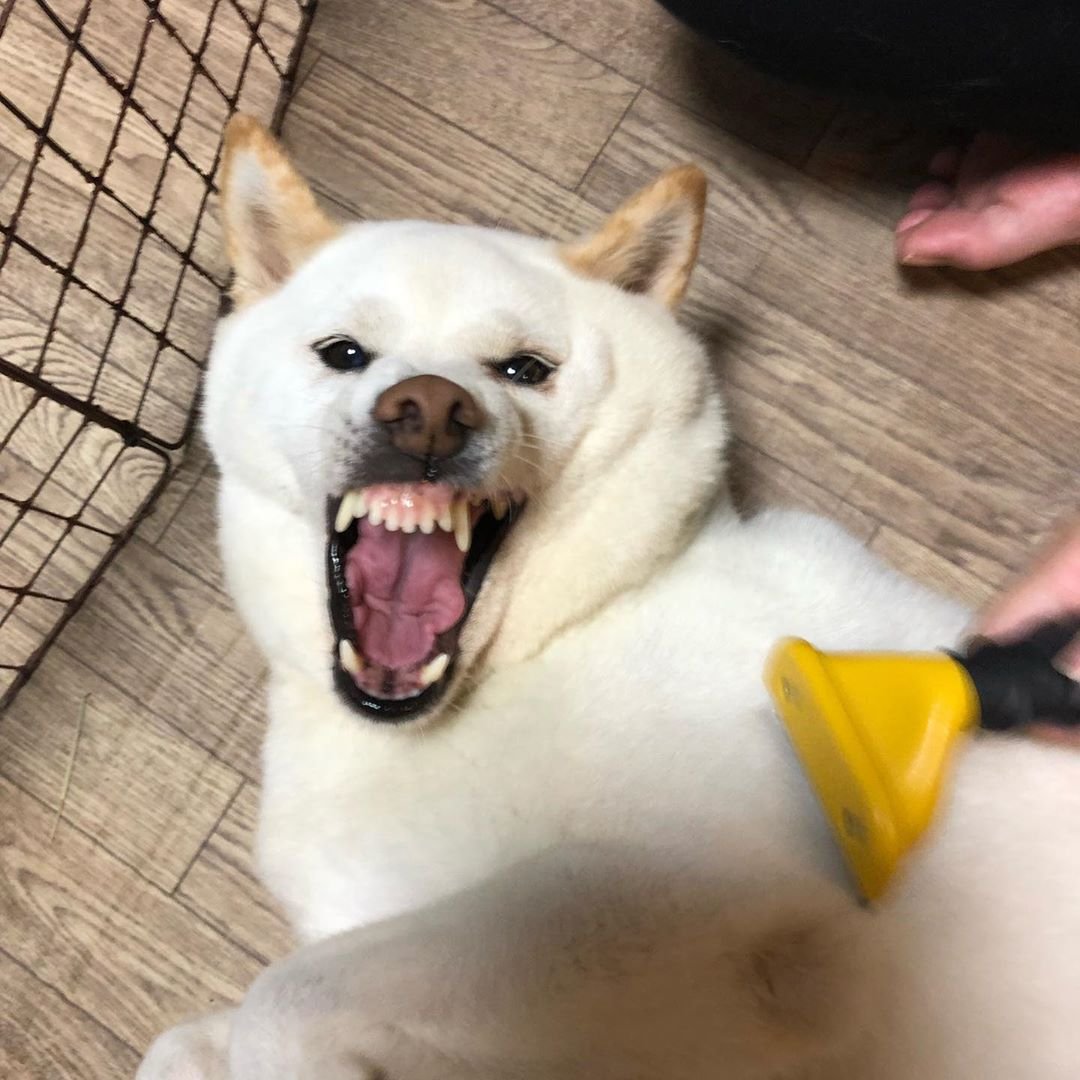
(344, 514)
(462, 524)
(349, 657)
(434, 670)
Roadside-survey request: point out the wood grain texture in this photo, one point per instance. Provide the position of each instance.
(927, 467)
(391, 159)
(760, 482)
(519, 89)
(142, 791)
(998, 352)
(44, 1036)
(185, 539)
(752, 197)
(642, 41)
(630, 36)
(100, 935)
(196, 460)
(176, 646)
(222, 888)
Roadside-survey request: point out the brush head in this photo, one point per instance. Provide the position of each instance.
(875, 734)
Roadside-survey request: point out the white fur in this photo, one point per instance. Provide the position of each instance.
(600, 859)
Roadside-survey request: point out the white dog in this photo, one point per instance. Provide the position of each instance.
(525, 801)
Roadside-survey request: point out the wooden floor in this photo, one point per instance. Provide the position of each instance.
(934, 413)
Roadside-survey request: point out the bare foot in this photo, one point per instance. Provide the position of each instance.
(993, 204)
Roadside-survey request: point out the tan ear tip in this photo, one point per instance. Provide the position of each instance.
(241, 129)
(690, 181)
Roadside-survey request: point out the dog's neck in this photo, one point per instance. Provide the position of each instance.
(606, 531)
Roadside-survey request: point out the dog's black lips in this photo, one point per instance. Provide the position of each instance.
(488, 535)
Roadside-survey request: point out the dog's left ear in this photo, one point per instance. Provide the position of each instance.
(272, 221)
(650, 244)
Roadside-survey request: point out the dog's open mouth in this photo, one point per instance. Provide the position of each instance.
(405, 563)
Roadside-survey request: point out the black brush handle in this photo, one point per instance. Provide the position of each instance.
(1050, 638)
(1018, 684)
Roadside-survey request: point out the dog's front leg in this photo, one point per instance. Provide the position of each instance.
(196, 1050)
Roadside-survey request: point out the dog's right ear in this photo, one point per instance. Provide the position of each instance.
(272, 221)
(650, 244)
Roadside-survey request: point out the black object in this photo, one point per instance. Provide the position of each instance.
(1018, 684)
(1007, 65)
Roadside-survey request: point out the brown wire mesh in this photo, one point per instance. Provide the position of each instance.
(110, 269)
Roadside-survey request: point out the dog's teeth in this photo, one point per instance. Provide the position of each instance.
(427, 520)
(499, 507)
(408, 522)
(392, 521)
(375, 515)
(434, 670)
(344, 514)
(446, 520)
(353, 505)
(462, 524)
(349, 657)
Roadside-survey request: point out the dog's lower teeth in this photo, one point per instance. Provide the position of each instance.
(349, 657)
(434, 670)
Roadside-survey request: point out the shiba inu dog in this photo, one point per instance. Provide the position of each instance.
(525, 801)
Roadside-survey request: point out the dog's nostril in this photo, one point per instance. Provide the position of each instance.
(411, 414)
(428, 416)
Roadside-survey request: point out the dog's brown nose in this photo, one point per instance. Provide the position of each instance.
(428, 416)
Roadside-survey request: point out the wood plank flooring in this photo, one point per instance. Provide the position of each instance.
(935, 414)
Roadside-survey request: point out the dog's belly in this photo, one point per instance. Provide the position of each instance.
(651, 724)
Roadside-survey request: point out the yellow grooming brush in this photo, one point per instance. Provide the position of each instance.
(876, 732)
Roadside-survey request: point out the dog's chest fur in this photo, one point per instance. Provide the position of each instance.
(648, 725)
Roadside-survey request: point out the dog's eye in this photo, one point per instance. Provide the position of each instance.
(342, 354)
(525, 369)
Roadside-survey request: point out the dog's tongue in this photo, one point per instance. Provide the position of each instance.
(405, 588)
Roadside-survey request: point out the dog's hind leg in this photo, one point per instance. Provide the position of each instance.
(196, 1050)
(582, 964)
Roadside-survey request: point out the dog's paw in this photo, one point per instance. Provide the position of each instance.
(197, 1050)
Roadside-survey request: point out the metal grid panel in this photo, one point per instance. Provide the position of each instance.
(111, 269)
